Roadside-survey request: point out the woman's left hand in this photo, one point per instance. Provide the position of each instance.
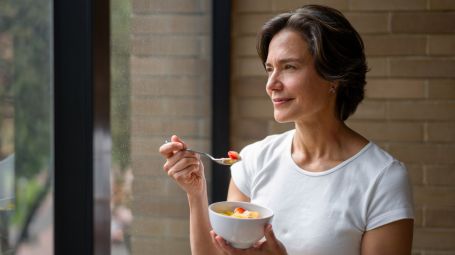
(270, 246)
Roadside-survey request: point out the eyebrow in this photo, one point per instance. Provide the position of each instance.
(287, 60)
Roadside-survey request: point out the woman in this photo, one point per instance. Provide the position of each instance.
(332, 191)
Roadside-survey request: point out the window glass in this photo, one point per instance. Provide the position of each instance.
(26, 205)
(121, 175)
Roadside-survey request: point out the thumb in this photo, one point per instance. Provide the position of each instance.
(175, 138)
(270, 235)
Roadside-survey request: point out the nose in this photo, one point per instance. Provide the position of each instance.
(274, 82)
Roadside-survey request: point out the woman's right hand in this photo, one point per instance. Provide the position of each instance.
(184, 167)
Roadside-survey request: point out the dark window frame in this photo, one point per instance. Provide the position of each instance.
(82, 142)
(221, 51)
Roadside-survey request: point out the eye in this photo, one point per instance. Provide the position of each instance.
(289, 67)
(268, 69)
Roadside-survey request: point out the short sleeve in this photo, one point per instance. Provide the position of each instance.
(391, 197)
(242, 172)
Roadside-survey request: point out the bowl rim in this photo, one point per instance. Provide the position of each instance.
(241, 202)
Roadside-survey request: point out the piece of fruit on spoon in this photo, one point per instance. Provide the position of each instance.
(233, 158)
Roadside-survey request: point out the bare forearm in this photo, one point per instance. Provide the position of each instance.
(200, 226)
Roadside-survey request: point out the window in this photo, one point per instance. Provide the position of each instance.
(26, 128)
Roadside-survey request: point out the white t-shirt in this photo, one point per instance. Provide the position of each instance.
(324, 213)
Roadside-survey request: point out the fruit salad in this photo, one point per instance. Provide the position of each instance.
(241, 213)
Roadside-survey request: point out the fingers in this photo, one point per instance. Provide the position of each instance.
(182, 157)
(177, 139)
(221, 244)
(270, 236)
(214, 241)
(181, 161)
(168, 149)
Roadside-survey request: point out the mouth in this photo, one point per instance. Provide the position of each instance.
(281, 100)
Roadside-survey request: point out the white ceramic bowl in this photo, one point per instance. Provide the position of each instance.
(240, 233)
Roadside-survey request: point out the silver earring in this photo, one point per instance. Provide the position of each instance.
(332, 90)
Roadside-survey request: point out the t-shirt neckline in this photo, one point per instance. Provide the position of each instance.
(325, 172)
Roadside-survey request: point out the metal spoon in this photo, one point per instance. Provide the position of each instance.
(221, 161)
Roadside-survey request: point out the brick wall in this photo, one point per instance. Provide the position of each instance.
(170, 94)
(410, 97)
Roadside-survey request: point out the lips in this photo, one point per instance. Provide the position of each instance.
(281, 100)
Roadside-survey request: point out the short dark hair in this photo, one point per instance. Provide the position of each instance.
(335, 45)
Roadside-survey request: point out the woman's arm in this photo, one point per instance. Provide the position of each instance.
(392, 239)
(186, 169)
(200, 227)
(234, 193)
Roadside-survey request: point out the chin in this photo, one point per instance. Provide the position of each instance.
(282, 119)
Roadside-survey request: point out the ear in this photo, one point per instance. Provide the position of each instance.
(333, 86)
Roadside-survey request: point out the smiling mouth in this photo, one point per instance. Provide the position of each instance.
(280, 101)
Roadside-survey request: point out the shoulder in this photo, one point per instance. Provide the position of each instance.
(375, 166)
(376, 160)
(269, 145)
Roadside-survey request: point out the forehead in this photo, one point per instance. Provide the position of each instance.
(286, 44)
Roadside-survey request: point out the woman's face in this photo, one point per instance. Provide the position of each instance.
(297, 91)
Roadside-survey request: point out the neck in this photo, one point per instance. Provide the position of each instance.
(320, 139)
